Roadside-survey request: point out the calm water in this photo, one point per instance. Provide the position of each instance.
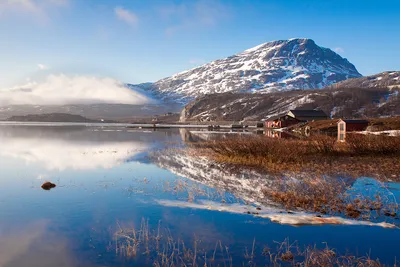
(111, 180)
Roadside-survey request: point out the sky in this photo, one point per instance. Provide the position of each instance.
(136, 41)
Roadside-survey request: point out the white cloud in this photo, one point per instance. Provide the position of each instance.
(62, 89)
(37, 8)
(126, 16)
(194, 14)
(42, 67)
(339, 50)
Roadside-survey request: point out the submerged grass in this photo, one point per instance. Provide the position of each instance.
(375, 156)
(332, 196)
(157, 247)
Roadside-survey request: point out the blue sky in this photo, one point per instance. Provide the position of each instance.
(137, 40)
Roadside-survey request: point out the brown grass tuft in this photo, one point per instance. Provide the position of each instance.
(374, 156)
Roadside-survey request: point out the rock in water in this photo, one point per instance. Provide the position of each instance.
(48, 186)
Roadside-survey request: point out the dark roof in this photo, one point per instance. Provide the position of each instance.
(275, 117)
(308, 113)
(355, 121)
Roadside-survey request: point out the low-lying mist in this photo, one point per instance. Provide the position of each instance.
(63, 90)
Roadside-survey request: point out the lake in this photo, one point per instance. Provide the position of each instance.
(131, 197)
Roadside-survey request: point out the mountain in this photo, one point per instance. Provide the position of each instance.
(51, 117)
(119, 112)
(383, 79)
(274, 66)
(337, 102)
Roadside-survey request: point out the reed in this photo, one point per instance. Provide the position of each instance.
(375, 156)
(175, 252)
(331, 196)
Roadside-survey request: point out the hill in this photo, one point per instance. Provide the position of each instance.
(52, 117)
(383, 79)
(340, 103)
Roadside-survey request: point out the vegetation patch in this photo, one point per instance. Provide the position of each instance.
(157, 247)
(361, 155)
(375, 124)
(333, 197)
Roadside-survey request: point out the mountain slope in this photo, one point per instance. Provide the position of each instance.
(341, 102)
(274, 66)
(383, 79)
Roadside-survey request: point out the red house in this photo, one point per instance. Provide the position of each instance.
(281, 121)
(294, 117)
(350, 126)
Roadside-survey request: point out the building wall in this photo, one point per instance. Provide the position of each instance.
(287, 123)
(273, 124)
(351, 127)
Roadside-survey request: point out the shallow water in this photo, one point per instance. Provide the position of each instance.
(110, 180)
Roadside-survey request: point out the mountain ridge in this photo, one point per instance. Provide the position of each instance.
(382, 79)
(336, 102)
(297, 63)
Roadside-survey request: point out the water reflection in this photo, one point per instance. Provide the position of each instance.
(33, 245)
(246, 187)
(76, 148)
(104, 183)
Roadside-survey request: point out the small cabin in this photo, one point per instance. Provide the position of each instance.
(345, 126)
(281, 121)
(295, 116)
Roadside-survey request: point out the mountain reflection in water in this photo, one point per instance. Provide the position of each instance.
(112, 180)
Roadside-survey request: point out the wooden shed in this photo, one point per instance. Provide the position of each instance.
(345, 126)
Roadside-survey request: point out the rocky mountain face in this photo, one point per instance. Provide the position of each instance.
(274, 66)
(383, 79)
(340, 102)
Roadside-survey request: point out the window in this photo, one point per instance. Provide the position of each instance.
(342, 126)
(341, 137)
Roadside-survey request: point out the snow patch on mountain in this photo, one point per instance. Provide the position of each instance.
(269, 67)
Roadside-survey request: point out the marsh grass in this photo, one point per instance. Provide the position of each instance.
(333, 197)
(370, 155)
(159, 248)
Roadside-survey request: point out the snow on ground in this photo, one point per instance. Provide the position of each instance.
(388, 133)
(275, 215)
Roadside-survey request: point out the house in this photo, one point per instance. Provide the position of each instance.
(280, 121)
(273, 122)
(305, 115)
(294, 117)
(345, 126)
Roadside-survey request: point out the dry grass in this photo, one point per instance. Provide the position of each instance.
(331, 196)
(158, 248)
(377, 124)
(376, 156)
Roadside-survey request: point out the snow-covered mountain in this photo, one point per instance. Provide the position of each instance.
(273, 66)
